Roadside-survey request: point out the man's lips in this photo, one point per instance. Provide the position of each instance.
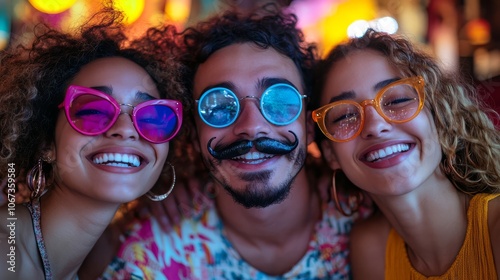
(253, 157)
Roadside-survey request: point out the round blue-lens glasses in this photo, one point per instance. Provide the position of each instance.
(280, 104)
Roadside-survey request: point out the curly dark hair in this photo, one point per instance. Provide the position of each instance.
(470, 143)
(35, 76)
(274, 29)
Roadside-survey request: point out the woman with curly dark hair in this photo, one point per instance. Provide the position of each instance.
(423, 148)
(87, 119)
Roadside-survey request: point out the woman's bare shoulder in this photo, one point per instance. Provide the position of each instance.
(494, 216)
(368, 242)
(494, 228)
(18, 242)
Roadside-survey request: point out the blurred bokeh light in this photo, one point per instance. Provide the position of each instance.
(52, 6)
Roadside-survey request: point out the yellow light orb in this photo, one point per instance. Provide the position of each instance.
(132, 9)
(178, 10)
(52, 6)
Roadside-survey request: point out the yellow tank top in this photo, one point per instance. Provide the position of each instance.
(474, 260)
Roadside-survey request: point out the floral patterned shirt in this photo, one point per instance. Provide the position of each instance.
(197, 249)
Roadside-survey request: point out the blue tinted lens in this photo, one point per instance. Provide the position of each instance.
(281, 104)
(218, 107)
(156, 123)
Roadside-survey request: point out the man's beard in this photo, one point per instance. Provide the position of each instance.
(257, 191)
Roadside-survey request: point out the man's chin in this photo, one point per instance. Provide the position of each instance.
(252, 199)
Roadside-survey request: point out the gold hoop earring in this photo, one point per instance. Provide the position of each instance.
(156, 197)
(353, 201)
(36, 180)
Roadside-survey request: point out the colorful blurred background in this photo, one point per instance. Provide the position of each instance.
(463, 34)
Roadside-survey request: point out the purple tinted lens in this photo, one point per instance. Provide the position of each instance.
(156, 123)
(91, 114)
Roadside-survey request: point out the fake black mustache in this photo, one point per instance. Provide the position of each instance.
(263, 145)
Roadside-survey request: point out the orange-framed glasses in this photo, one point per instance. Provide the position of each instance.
(397, 102)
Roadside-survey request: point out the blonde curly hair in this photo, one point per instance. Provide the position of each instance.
(470, 143)
(35, 76)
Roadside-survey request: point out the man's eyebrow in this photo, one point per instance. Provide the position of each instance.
(351, 94)
(227, 85)
(264, 83)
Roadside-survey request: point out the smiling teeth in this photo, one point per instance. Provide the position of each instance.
(387, 151)
(115, 159)
(253, 157)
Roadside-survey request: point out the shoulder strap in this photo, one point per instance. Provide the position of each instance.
(34, 208)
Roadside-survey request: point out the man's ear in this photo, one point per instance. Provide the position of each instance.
(329, 155)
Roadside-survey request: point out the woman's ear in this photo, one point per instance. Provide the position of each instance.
(49, 157)
(49, 154)
(329, 155)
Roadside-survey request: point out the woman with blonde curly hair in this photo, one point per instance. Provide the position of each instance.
(422, 147)
(87, 118)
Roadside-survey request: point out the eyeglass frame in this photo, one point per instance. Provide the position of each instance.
(301, 97)
(416, 82)
(74, 91)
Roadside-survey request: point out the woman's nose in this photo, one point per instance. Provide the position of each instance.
(374, 125)
(123, 128)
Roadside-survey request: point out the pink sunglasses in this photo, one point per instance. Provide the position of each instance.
(91, 112)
